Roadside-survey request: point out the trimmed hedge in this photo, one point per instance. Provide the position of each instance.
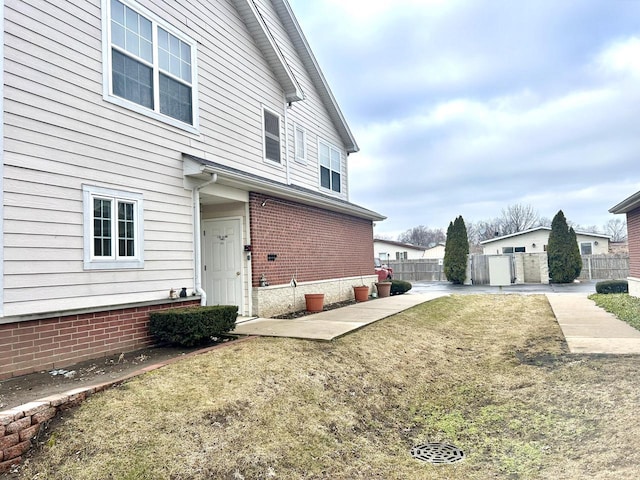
(192, 326)
(612, 286)
(398, 287)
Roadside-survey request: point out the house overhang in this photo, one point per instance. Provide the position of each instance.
(199, 170)
(269, 48)
(294, 31)
(627, 205)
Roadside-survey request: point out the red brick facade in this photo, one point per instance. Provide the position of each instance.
(34, 345)
(633, 231)
(310, 243)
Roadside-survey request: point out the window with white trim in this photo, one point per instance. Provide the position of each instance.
(300, 136)
(113, 229)
(271, 123)
(586, 248)
(150, 67)
(401, 256)
(330, 167)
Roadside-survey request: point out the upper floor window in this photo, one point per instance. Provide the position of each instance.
(300, 144)
(330, 167)
(149, 67)
(113, 229)
(271, 136)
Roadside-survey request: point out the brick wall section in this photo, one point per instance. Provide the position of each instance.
(633, 231)
(34, 345)
(311, 243)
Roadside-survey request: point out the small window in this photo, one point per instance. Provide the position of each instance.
(507, 249)
(330, 167)
(271, 136)
(300, 144)
(586, 248)
(401, 255)
(113, 229)
(520, 249)
(148, 64)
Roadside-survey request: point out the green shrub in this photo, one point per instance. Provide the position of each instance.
(192, 326)
(456, 251)
(612, 286)
(563, 254)
(398, 287)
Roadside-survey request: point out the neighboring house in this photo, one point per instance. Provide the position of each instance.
(387, 250)
(158, 145)
(435, 252)
(536, 239)
(631, 207)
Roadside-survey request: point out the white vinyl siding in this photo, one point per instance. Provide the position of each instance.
(113, 229)
(148, 64)
(60, 134)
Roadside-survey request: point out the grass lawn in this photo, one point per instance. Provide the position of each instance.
(622, 305)
(487, 373)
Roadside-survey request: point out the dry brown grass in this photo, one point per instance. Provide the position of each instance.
(487, 373)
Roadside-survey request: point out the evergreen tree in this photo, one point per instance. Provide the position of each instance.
(565, 262)
(456, 251)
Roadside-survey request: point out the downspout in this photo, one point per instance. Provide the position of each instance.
(286, 142)
(197, 244)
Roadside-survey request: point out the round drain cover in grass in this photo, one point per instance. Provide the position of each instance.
(437, 453)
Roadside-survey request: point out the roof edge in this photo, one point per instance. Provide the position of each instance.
(601, 235)
(259, 184)
(627, 205)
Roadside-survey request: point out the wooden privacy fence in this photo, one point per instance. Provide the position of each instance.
(594, 267)
(605, 267)
(418, 270)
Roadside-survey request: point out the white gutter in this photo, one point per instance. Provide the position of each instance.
(197, 244)
(286, 142)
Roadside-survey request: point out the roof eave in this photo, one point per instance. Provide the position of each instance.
(304, 50)
(199, 168)
(267, 45)
(627, 205)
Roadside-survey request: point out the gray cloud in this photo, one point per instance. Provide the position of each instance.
(466, 107)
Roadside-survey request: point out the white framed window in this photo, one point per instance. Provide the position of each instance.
(113, 228)
(271, 128)
(149, 66)
(330, 160)
(586, 248)
(300, 138)
(401, 256)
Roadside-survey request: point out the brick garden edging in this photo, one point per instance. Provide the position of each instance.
(20, 425)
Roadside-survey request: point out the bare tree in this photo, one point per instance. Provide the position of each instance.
(517, 218)
(381, 236)
(616, 229)
(483, 230)
(423, 236)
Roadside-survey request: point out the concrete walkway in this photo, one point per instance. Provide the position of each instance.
(589, 329)
(332, 324)
(586, 327)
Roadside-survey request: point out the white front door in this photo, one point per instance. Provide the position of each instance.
(222, 262)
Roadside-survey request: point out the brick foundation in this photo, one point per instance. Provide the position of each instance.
(34, 345)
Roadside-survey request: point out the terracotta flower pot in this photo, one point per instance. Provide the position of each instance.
(384, 289)
(361, 293)
(314, 301)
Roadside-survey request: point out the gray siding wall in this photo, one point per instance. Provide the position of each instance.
(61, 134)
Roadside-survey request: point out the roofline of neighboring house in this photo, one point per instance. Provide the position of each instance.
(627, 205)
(400, 244)
(294, 31)
(484, 242)
(201, 168)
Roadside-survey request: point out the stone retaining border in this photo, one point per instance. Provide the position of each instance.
(20, 425)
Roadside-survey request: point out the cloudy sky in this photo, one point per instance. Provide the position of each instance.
(463, 107)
